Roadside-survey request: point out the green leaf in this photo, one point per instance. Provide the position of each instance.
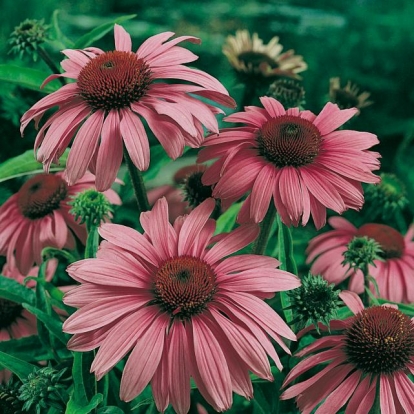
(14, 291)
(403, 307)
(227, 220)
(287, 262)
(84, 381)
(19, 367)
(25, 164)
(27, 348)
(159, 158)
(26, 77)
(97, 33)
(74, 407)
(52, 322)
(110, 410)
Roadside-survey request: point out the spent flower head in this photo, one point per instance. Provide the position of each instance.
(386, 198)
(315, 301)
(9, 401)
(348, 96)
(28, 36)
(91, 207)
(361, 252)
(43, 389)
(289, 92)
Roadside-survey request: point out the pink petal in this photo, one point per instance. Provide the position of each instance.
(341, 395)
(135, 139)
(211, 364)
(144, 359)
(122, 39)
(234, 241)
(178, 368)
(131, 240)
(193, 225)
(84, 146)
(363, 398)
(122, 338)
(110, 152)
(404, 388)
(386, 398)
(331, 117)
(262, 193)
(352, 300)
(100, 313)
(272, 106)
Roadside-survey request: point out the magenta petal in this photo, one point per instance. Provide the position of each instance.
(404, 388)
(363, 397)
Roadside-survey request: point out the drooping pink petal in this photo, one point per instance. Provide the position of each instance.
(110, 152)
(331, 117)
(135, 139)
(84, 146)
(147, 355)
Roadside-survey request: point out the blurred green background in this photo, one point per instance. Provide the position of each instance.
(370, 42)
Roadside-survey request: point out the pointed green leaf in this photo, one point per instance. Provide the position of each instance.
(52, 322)
(25, 164)
(74, 407)
(14, 291)
(19, 367)
(227, 220)
(97, 33)
(26, 77)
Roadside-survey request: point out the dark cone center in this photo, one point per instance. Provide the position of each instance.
(9, 312)
(114, 80)
(40, 195)
(380, 340)
(183, 286)
(289, 141)
(391, 241)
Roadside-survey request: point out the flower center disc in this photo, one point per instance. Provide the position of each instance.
(380, 340)
(184, 285)
(289, 141)
(114, 80)
(254, 59)
(391, 241)
(9, 311)
(40, 195)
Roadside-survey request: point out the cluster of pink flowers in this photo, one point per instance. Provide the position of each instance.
(176, 300)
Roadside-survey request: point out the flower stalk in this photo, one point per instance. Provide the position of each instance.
(137, 184)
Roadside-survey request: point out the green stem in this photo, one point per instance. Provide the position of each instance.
(265, 228)
(365, 296)
(137, 183)
(248, 96)
(92, 242)
(49, 62)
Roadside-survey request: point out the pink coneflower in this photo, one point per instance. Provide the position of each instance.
(200, 314)
(393, 274)
(15, 322)
(370, 352)
(113, 90)
(293, 156)
(37, 216)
